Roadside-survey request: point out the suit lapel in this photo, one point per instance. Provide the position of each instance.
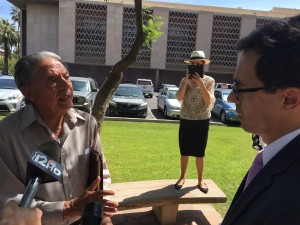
(287, 156)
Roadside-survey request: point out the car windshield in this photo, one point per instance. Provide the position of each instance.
(80, 86)
(128, 91)
(170, 85)
(172, 94)
(8, 84)
(225, 96)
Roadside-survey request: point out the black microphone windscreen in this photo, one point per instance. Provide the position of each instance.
(44, 163)
(52, 149)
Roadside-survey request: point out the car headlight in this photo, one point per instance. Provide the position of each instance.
(112, 103)
(144, 105)
(17, 96)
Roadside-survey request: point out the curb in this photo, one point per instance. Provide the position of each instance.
(152, 120)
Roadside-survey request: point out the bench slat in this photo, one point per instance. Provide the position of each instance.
(154, 193)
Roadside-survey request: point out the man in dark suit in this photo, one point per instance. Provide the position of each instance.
(267, 97)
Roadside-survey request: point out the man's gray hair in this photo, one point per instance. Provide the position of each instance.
(27, 66)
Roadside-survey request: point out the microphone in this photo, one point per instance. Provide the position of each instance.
(42, 167)
(92, 213)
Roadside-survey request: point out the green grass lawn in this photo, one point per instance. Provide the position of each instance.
(148, 151)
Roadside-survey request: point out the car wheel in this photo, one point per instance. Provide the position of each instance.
(166, 112)
(223, 117)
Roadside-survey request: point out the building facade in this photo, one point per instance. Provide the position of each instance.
(91, 36)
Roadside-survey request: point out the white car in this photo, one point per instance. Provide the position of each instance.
(11, 98)
(168, 103)
(146, 86)
(223, 85)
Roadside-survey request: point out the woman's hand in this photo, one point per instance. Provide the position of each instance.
(74, 207)
(187, 76)
(197, 80)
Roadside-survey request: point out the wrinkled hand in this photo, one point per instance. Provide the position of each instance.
(14, 215)
(106, 221)
(74, 207)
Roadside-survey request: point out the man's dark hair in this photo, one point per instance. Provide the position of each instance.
(278, 43)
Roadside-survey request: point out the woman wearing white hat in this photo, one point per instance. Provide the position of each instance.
(196, 91)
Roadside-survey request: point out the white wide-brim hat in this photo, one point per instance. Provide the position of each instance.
(196, 55)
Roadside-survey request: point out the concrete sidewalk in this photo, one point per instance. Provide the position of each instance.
(202, 214)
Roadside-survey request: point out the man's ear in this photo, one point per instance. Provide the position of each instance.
(26, 91)
(292, 98)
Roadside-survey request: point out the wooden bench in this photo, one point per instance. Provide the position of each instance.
(163, 197)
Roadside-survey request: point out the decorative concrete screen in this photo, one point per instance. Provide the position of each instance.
(129, 34)
(90, 42)
(262, 21)
(182, 34)
(225, 34)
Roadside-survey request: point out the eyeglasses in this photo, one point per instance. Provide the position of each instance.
(237, 90)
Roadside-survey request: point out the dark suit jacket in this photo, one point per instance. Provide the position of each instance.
(273, 196)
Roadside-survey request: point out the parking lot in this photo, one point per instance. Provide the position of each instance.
(154, 113)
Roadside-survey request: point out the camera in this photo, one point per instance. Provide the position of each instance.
(196, 69)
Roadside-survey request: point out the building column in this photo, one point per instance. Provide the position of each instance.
(159, 48)
(66, 30)
(204, 33)
(114, 33)
(248, 24)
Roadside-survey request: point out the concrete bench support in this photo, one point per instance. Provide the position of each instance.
(163, 197)
(166, 214)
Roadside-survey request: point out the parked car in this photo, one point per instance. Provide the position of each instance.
(162, 86)
(84, 93)
(222, 108)
(146, 86)
(11, 99)
(168, 103)
(128, 100)
(223, 85)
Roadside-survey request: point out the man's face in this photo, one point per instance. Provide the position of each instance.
(51, 91)
(257, 111)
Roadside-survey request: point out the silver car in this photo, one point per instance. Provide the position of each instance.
(85, 91)
(168, 103)
(11, 98)
(128, 100)
(162, 86)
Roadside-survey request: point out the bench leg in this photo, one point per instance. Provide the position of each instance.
(166, 214)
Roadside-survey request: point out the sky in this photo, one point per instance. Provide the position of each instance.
(264, 5)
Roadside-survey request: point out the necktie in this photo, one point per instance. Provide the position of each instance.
(255, 168)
